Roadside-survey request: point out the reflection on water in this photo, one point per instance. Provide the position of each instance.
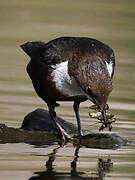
(27, 161)
(103, 167)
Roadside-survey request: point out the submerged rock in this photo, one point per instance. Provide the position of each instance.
(17, 135)
(103, 141)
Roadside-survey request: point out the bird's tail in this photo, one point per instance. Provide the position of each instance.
(33, 49)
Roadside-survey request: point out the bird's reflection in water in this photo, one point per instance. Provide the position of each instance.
(104, 167)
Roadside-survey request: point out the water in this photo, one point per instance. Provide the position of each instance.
(34, 162)
(110, 22)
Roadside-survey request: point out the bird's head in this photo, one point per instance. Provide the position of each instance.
(100, 86)
(100, 98)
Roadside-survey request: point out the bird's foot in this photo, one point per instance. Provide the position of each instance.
(78, 136)
(75, 140)
(65, 138)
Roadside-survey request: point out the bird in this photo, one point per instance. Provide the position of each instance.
(71, 69)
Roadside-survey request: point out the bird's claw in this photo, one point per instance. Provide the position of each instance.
(75, 140)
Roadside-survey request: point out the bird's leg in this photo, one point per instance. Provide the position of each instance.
(52, 156)
(53, 117)
(74, 162)
(76, 109)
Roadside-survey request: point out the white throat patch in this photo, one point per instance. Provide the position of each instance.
(64, 83)
(109, 68)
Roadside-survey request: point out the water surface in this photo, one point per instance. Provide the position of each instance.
(36, 162)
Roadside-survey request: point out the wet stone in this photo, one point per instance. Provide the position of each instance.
(37, 127)
(17, 135)
(39, 120)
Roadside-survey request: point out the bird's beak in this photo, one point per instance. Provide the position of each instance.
(104, 116)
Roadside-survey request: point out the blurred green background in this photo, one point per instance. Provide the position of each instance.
(112, 22)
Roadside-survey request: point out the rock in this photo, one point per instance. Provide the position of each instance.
(40, 120)
(38, 128)
(103, 141)
(15, 135)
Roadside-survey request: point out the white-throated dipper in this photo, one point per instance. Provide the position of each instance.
(71, 69)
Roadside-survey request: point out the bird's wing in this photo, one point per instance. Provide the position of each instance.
(88, 69)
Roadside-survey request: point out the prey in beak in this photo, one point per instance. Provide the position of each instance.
(106, 119)
(102, 112)
(103, 115)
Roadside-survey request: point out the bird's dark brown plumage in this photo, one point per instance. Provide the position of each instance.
(90, 63)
